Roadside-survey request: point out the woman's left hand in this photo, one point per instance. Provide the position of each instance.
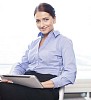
(48, 84)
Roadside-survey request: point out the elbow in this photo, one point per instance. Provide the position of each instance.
(72, 78)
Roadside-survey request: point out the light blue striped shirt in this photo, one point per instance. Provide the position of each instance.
(55, 56)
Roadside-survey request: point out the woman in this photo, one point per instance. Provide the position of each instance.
(50, 57)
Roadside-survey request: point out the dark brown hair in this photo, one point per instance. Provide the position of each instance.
(45, 7)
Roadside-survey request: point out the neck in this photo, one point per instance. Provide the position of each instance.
(45, 35)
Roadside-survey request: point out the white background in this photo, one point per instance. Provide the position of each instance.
(18, 28)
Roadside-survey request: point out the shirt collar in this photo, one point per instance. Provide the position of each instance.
(40, 34)
(56, 33)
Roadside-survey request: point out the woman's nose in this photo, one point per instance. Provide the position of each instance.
(41, 24)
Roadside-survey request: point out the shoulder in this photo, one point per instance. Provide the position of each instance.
(65, 39)
(61, 38)
(63, 42)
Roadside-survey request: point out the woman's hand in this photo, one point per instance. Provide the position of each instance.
(6, 81)
(48, 84)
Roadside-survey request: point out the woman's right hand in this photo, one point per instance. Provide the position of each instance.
(6, 81)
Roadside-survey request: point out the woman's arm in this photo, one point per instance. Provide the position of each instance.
(21, 67)
(68, 74)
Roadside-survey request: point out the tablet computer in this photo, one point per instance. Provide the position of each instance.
(26, 80)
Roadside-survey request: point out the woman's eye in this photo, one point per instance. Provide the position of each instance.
(46, 19)
(37, 21)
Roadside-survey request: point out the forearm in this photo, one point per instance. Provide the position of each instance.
(64, 79)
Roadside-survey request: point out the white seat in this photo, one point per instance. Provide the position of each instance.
(61, 93)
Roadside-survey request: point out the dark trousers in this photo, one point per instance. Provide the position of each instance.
(9, 91)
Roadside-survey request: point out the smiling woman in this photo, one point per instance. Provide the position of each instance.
(17, 30)
(50, 57)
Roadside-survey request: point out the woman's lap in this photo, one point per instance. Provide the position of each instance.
(18, 92)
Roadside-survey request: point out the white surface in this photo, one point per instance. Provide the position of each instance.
(61, 93)
(84, 74)
(5, 68)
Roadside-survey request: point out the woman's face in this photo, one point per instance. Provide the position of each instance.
(44, 22)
